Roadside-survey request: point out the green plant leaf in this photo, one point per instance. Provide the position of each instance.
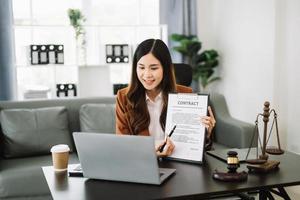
(181, 50)
(203, 63)
(199, 58)
(177, 37)
(213, 53)
(213, 79)
(76, 20)
(192, 37)
(195, 47)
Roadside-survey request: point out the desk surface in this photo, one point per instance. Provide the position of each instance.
(190, 181)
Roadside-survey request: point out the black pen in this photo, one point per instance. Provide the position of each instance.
(170, 134)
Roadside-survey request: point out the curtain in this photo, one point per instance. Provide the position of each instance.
(181, 17)
(7, 69)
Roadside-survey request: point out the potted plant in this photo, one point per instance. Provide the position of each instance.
(203, 63)
(76, 20)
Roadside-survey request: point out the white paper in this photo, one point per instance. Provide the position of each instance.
(185, 111)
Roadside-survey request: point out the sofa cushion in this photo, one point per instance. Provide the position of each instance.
(97, 118)
(29, 132)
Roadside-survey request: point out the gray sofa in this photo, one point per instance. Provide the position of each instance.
(21, 175)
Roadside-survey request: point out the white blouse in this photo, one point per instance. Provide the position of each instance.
(155, 108)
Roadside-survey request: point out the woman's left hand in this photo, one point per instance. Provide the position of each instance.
(209, 121)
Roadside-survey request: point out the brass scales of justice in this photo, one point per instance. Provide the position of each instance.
(262, 163)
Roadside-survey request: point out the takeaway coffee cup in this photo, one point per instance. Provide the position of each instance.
(60, 157)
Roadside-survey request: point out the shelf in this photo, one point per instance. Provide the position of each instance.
(75, 66)
(45, 66)
(84, 76)
(138, 26)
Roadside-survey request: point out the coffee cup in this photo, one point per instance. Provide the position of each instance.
(60, 157)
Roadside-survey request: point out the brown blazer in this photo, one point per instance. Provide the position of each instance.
(122, 117)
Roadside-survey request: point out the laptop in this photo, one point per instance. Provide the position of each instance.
(119, 158)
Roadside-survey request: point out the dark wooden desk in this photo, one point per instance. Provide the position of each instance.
(191, 181)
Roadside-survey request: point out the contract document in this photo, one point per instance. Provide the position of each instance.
(185, 111)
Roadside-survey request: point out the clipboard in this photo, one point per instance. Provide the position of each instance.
(185, 110)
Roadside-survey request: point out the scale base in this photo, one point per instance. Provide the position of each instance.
(265, 167)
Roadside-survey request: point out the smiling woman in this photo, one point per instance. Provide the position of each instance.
(152, 79)
(141, 107)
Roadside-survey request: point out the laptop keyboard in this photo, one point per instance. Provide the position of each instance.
(78, 168)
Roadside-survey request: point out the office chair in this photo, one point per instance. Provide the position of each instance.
(119, 86)
(183, 74)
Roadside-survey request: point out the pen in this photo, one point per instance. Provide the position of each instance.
(170, 134)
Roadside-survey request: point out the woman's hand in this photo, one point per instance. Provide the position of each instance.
(168, 149)
(209, 121)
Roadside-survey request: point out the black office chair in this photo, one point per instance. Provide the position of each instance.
(183, 74)
(119, 86)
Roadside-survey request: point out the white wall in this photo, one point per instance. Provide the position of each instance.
(94, 81)
(258, 41)
(288, 70)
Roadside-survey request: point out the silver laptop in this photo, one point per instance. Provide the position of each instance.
(119, 158)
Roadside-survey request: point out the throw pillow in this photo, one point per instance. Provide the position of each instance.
(97, 118)
(29, 132)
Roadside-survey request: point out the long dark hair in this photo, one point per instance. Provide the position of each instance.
(139, 115)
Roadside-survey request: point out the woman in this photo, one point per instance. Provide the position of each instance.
(141, 107)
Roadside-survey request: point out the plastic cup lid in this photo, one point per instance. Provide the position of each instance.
(60, 148)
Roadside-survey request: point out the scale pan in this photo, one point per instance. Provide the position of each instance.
(274, 151)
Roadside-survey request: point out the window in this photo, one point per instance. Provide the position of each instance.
(108, 22)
